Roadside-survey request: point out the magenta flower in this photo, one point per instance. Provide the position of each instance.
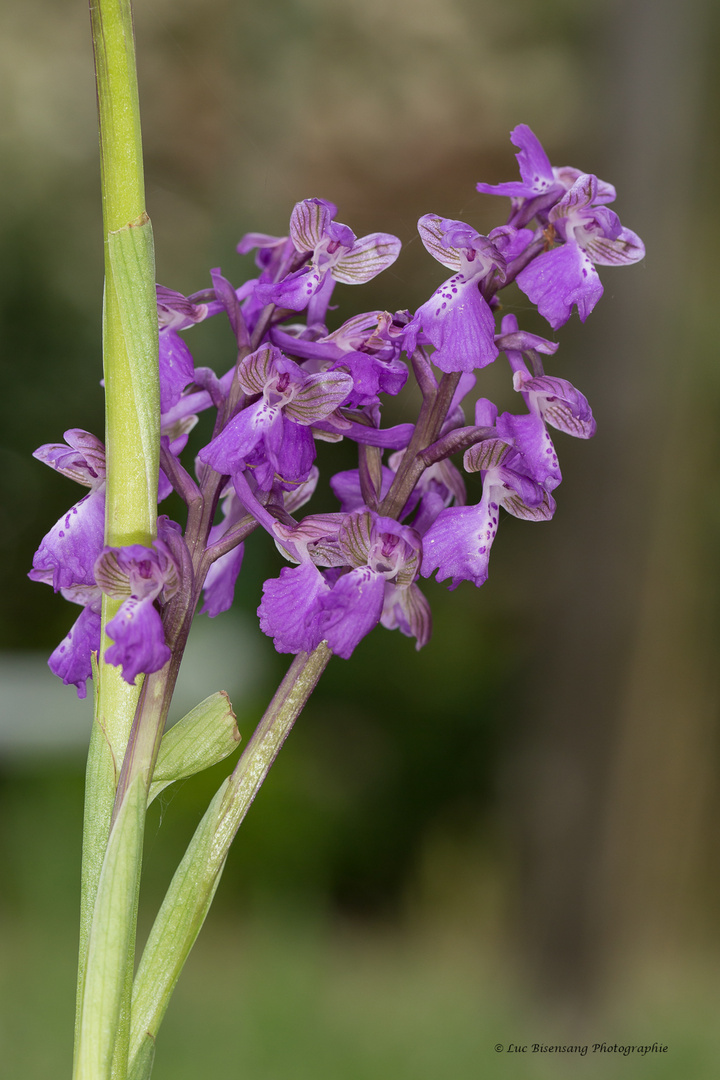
(138, 575)
(554, 400)
(66, 556)
(540, 185)
(67, 553)
(519, 469)
(367, 555)
(273, 436)
(589, 233)
(335, 253)
(457, 318)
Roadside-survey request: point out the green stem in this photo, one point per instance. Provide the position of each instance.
(192, 889)
(110, 866)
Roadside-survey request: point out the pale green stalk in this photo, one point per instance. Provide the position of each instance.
(111, 864)
(191, 891)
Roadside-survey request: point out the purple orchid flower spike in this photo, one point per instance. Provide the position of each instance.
(457, 318)
(368, 555)
(272, 436)
(564, 277)
(335, 254)
(541, 185)
(138, 575)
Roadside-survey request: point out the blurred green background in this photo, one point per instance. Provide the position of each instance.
(510, 836)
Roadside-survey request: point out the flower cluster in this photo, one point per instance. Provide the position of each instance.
(295, 380)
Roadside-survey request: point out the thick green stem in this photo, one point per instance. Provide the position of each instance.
(132, 445)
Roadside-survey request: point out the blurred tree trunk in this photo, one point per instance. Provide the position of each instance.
(612, 775)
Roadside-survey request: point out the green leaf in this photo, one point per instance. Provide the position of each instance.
(203, 737)
(142, 1063)
(176, 927)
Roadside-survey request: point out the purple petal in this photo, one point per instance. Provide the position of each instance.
(290, 608)
(351, 610)
(345, 487)
(176, 368)
(623, 250)
(219, 588)
(309, 222)
(228, 450)
(67, 554)
(529, 436)
(259, 240)
(295, 291)
(371, 376)
(71, 661)
(367, 258)
(458, 543)
(394, 438)
(408, 611)
(535, 168)
(318, 396)
(82, 459)
(432, 229)
(459, 323)
(558, 402)
(290, 450)
(486, 412)
(559, 279)
(137, 631)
